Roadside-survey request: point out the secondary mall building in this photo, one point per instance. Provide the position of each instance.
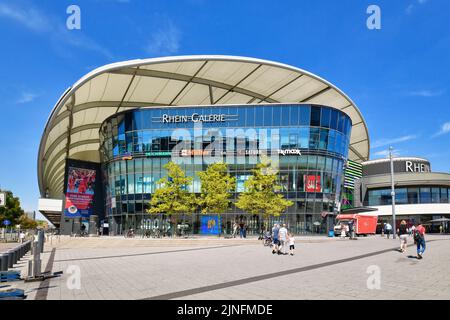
(421, 195)
(110, 134)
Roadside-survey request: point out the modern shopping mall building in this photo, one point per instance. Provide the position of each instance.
(421, 195)
(109, 136)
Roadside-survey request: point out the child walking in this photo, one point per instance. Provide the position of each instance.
(291, 244)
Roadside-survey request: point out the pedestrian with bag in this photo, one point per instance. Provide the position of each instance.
(419, 240)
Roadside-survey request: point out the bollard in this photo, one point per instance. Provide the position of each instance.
(16, 255)
(36, 260)
(10, 258)
(41, 240)
(3, 262)
(30, 268)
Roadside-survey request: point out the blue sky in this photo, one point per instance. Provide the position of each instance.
(399, 76)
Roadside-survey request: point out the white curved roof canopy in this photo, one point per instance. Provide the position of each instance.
(72, 129)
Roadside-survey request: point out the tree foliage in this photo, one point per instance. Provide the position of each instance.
(27, 223)
(261, 194)
(172, 195)
(217, 187)
(12, 210)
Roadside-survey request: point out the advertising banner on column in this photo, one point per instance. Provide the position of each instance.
(210, 225)
(80, 192)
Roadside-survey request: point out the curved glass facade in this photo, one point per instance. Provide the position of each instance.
(311, 142)
(408, 195)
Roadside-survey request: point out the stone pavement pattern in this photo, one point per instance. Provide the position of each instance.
(129, 269)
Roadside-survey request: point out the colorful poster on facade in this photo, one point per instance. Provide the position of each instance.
(210, 225)
(80, 192)
(312, 183)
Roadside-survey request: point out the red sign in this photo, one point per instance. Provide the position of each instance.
(312, 183)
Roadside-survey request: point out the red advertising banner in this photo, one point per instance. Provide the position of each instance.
(80, 192)
(312, 183)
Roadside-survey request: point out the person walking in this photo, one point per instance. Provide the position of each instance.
(282, 233)
(275, 233)
(22, 237)
(413, 229)
(403, 235)
(235, 228)
(419, 240)
(291, 244)
(342, 231)
(388, 229)
(241, 230)
(351, 229)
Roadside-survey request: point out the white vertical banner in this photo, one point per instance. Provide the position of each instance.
(2, 199)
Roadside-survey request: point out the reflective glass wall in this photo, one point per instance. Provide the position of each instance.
(312, 142)
(408, 195)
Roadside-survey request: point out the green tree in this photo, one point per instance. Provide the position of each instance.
(27, 223)
(172, 196)
(261, 194)
(12, 210)
(216, 189)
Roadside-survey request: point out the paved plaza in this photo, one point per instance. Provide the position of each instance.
(201, 269)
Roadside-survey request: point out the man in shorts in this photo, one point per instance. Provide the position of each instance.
(276, 242)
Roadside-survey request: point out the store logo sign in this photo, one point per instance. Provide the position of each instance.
(289, 152)
(195, 117)
(417, 167)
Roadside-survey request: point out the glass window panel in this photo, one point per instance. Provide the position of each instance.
(401, 196)
(435, 195)
(305, 115)
(323, 143)
(267, 110)
(250, 118)
(444, 195)
(341, 122)
(413, 195)
(259, 118)
(315, 116)
(320, 163)
(425, 195)
(334, 119)
(241, 117)
(304, 138)
(314, 138)
(332, 141)
(325, 119)
(294, 115)
(312, 162)
(303, 163)
(276, 121)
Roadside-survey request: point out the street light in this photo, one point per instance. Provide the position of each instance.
(392, 193)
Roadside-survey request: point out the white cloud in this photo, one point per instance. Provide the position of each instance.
(426, 93)
(410, 8)
(385, 153)
(165, 40)
(445, 128)
(386, 142)
(28, 17)
(26, 97)
(54, 29)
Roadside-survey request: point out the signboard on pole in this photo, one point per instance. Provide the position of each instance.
(6, 222)
(2, 199)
